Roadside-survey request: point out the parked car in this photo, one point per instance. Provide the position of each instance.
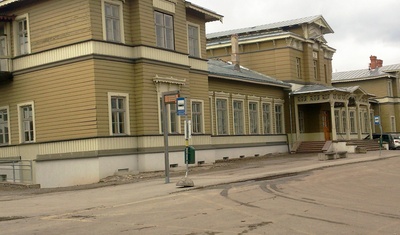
(393, 139)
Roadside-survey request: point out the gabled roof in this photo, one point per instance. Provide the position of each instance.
(365, 74)
(209, 14)
(319, 20)
(222, 69)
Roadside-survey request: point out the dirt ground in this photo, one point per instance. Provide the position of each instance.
(10, 188)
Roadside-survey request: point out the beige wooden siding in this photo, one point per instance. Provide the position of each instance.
(112, 76)
(199, 91)
(377, 87)
(63, 101)
(56, 23)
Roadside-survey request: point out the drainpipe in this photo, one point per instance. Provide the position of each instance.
(291, 121)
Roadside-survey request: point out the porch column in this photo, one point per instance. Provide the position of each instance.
(333, 121)
(346, 105)
(358, 121)
(296, 117)
(369, 119)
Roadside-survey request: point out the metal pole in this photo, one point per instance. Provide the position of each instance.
(187, 145)
(165, 129)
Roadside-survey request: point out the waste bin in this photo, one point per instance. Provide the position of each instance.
(190, 159)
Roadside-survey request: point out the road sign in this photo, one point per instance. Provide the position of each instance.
(171, 99)
(377, 120)
(180, 106)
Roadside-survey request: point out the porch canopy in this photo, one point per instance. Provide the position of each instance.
(336, 97)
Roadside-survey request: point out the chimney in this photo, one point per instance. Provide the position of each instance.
(235, 52)
(372, 65)
(379, 63)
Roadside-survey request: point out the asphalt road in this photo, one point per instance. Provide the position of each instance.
(360, 198)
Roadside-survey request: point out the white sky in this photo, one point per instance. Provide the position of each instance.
(362, 27)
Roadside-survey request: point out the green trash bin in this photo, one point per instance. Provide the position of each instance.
(191, 159)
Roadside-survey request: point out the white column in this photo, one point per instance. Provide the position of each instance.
(346, 105)
(369, 119)
(296, 114)
(358, 121)
(333, 121)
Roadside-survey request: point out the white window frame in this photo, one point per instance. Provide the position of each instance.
(242, 118)
(281, 104)
(20, 122)
(127, 114)
(298, 67)
(121, 20)
(17, 48)
(269, 121)
(201, 115)
(390, 88)
(352, 115)
(163, 42)
(257, 116)
(161, 121)
(344, 121)
(7, 110)
(227, 124)
(211, 99)
(198, 40)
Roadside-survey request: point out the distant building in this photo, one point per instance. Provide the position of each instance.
(384, 83)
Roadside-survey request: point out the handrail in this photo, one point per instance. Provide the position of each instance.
(20, 170)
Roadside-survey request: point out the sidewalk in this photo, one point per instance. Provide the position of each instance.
(280, 166)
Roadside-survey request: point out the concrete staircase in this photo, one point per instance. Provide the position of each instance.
(369, 145)
(311, 147)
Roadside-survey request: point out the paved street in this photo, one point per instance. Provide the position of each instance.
(357, 195)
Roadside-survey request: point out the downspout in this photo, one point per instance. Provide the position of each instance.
(291, 122)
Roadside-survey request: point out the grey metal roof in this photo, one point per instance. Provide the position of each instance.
(246, 37)
(220, 68)
(271, 26)
(364, 74)
(317, 88)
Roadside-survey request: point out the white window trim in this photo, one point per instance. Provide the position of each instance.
(19, 106)
(243, 116)
(210, 99)
(15, 32)
(202, 113)
(198, 36)
(221, 97)
(127, 114)
(178, 118)
(393, 123)
(280, 102)
(258, 115)
(7, 108)
(390, 88)
(270, 117)
(121, 22)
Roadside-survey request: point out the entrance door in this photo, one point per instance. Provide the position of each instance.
(326, 125)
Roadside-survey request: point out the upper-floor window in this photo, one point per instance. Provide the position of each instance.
(390, 88)
(315, 66)
(21, 29)
(193, 41)
(113, 21)
(4, 131)
(164, 24)
(298, 67)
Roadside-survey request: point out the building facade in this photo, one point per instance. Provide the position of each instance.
(81, 88)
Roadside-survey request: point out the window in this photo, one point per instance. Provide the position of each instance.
(315, 65)
(222, 116)
(278, 119)
(390, 88)
(197, 117)
(326, 73)
(4, 131)
(238, 120)
(352, 122)
(21, 27)
(393, 124)
(344, 121)
(301, 121)
(164, 30)
(173, 119)
(193, 40)
(119, 113)
(253, 117)
(113, 21)
(26, 124)
(266, 118)
(298, 67)
(337, 121)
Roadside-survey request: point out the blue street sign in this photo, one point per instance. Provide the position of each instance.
(180, 106)
(377, 120)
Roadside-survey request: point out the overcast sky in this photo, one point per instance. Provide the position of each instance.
(361, 27)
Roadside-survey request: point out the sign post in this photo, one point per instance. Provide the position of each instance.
(168, 97)
(377, 120)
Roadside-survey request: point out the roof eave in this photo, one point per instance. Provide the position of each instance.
(228, 77)
(210, 15)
